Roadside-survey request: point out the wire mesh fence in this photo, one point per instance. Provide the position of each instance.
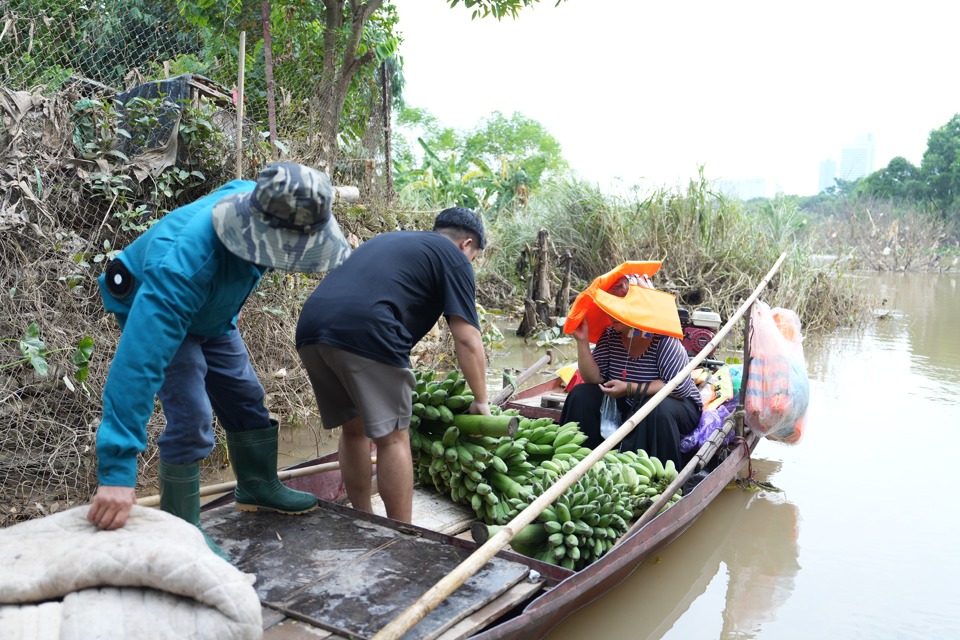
(103, 48)
(113, 112)
(111, 45)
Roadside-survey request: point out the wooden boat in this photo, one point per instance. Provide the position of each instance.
(339, 573)
(345, 573)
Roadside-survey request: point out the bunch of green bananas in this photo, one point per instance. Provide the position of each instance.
(587, 519)
(543, 439)
(500, 476)
(646, 477)
(435, 401)
(579, 526)
(479, 471)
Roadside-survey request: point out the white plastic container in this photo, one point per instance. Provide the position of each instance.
(705, 318)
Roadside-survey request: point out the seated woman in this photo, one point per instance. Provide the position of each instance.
(630, 365)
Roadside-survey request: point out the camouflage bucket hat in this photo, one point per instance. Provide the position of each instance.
(286, 222)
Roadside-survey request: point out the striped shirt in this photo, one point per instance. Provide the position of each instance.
(663, 359)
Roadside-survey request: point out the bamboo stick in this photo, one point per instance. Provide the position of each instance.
(462, 572)
(510, 389)
(223, 487)
(268, 72)
(241, 61)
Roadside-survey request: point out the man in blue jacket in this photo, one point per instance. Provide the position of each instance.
(176, 292)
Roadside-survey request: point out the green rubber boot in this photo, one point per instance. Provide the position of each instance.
(180, 495)
(254, 458)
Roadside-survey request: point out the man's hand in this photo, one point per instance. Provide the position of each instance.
(481, 408)
(111, 506)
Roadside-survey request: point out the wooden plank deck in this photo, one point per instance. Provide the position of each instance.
(330, 575)
(545, 406)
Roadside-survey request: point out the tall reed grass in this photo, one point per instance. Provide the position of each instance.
(714, 250)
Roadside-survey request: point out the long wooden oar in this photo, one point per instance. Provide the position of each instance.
(223, 487)
(504, 394)
(462, 572)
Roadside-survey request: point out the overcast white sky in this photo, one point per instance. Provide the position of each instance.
(645, 91)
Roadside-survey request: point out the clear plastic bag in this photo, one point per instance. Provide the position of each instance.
(778, 390)
(609, 416)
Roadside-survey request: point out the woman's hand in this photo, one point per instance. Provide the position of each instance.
(582, 332)
(617, 388)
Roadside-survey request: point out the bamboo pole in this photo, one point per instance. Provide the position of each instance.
(462, 572)
(223, 487)
(241, 61)
(510, 389)
(268, 72)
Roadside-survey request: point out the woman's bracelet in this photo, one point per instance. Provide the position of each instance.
(642, 390)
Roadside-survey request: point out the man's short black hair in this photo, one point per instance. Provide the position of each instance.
(463, 219)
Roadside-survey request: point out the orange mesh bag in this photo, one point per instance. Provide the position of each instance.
(778, 390)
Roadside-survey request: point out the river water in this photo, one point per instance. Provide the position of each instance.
(862, 541)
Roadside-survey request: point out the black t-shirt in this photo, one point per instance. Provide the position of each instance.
(388, 294)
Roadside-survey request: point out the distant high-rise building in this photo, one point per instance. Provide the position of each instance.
(856, 159)
(828, 175)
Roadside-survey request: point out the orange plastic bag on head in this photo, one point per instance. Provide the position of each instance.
(778, 390)
(641, 308)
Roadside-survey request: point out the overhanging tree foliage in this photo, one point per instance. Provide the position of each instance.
(496, 8)
(350, 36)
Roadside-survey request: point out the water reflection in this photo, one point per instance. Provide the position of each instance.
(761, 562)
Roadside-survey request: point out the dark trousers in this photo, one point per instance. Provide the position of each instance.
(206, 376)
(658, 434)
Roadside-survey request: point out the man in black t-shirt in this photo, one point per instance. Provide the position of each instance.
(355, 334)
